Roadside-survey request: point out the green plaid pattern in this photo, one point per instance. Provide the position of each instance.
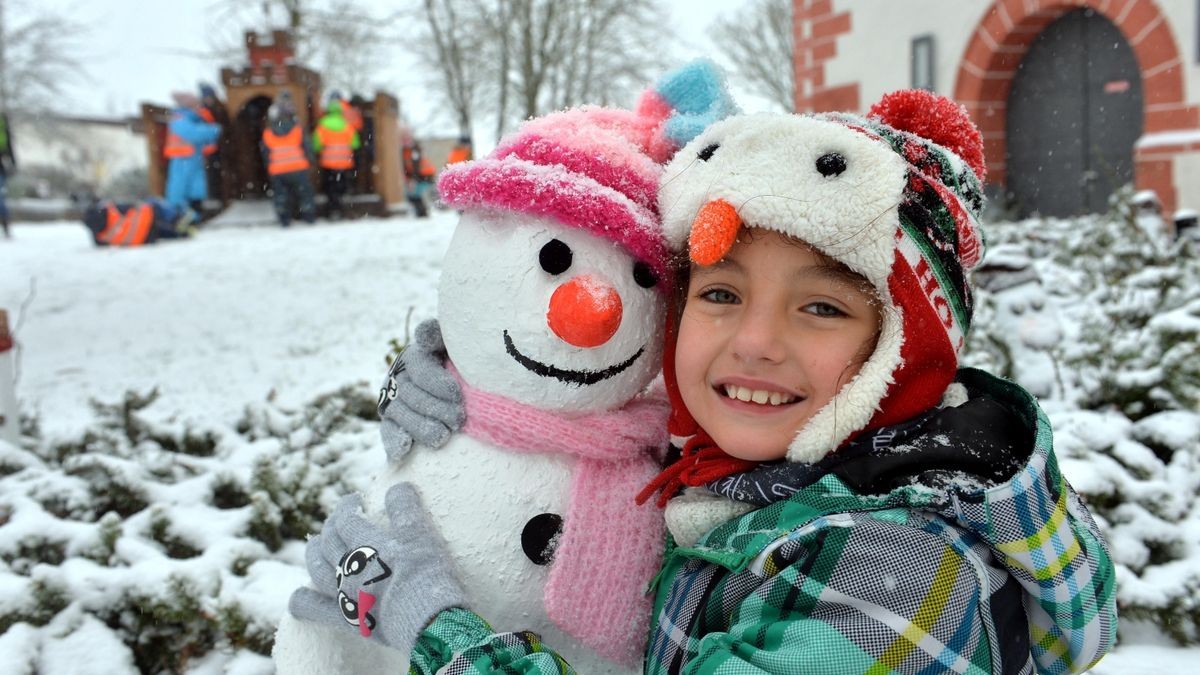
(459, 642)
(829, 581)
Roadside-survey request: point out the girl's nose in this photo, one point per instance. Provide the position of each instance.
(758, 337)
(584, 312)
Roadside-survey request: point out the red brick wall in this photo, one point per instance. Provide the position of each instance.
(816, 29)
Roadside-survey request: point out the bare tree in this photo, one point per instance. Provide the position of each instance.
(567, 52)
(515, 59)
(40, 52)
(460, 61)
(759, 42)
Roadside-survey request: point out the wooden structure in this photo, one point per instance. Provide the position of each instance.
(249, 92)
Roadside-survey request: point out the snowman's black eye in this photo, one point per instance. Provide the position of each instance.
(831, 164)
(555, 257)
(643, 275)
(707, 153)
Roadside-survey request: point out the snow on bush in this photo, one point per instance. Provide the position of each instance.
(1125, 402)
(176, 540)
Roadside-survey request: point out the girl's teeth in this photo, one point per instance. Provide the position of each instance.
(758, 396)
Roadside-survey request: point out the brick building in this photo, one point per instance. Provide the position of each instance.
(1074, 97)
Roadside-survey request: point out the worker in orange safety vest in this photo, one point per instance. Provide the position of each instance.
(187, 135)
(128, 225)
(288, 158)
(334, 141)
(461, 152)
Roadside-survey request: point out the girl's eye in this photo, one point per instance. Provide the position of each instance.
(719, 296)
(823, 309)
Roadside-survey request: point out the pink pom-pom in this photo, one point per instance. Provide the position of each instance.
(936, 118)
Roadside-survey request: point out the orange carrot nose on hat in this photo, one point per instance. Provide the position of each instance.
(713, 232)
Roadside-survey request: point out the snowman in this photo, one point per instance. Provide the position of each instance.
(551, 305)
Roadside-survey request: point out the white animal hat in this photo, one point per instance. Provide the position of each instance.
(894, 196)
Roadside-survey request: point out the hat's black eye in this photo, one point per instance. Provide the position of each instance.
(555, 257)
(707, 153)
(831, 164)
(643, 275)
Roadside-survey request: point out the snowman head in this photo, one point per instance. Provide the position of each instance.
(552, 292)
(547, 314)
(552, 289)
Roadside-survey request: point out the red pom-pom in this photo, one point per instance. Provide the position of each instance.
(937, 118)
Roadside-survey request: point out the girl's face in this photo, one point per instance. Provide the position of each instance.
(767, 337)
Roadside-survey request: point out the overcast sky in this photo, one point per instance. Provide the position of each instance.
(141, 50)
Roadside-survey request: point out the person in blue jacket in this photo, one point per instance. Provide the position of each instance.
(187, 136)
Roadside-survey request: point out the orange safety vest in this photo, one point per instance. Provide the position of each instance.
(335, 148)
(176, 147)
(425, 168)
(286, 152)
(128, 229)
(459, 153)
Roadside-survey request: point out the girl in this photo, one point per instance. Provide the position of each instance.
(849, 500)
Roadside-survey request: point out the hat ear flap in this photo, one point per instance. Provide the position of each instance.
(681, 422)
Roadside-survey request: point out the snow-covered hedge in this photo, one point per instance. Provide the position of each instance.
(173, 543)
(153, 542)
(1111, 338)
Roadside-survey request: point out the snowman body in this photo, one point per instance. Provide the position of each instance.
(1028, 323)
(483, 500)
(550, 317)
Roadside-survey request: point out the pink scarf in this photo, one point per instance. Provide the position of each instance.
(610, 548)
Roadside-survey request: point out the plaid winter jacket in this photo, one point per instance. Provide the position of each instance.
(1012, 578)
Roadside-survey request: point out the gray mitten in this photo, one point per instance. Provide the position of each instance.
(386, 583)
(420, 400)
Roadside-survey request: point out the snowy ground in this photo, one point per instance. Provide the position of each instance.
(251, 319)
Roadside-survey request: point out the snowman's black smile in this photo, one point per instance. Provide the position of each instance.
(577, 377)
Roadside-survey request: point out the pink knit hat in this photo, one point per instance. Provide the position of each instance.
(597, 168)
(588, 167)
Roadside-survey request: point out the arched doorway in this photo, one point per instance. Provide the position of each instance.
(1073, 113)
(248, 129)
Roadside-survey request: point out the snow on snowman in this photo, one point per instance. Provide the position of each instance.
(551, 306)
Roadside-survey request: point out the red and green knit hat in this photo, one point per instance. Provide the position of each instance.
(895, 196)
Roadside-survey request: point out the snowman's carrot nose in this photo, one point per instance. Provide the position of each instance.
(713, 232)
(585, 312)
